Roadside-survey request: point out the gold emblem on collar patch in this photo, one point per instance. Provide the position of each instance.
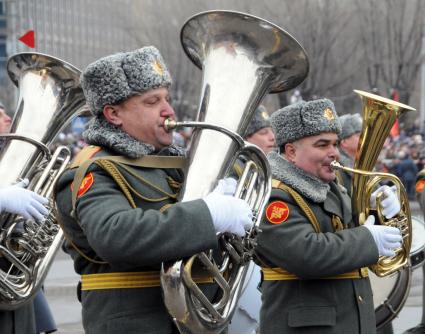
(157, 67)
(328, 114)
(277, 212)
(265, 115)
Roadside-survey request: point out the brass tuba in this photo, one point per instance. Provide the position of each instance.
(49, 98)
(242, 58)
(379, 115)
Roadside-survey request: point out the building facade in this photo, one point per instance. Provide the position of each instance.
(76, 31)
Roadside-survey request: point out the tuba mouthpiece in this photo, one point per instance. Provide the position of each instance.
(169, 124)
(335, 165)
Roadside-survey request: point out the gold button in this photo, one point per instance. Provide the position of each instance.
(360, 299)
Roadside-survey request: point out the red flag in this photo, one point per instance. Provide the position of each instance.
(395, 130)
(28, 38)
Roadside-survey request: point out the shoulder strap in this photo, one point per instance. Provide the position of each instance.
(300, 201)
(147, 161)
(83, 161)
(85, 154)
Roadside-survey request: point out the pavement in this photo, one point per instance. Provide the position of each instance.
(60, 291)
(61, 281)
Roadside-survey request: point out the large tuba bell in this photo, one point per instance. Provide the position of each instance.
(49, 98)
(242, 58)
(379, 115)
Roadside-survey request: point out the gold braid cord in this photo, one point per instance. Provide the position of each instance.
(109, 167)
(301, 203)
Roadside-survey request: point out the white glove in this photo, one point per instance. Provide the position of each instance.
(226, 186)
(390, 204)
(387, 238)
(28, 204)
(229, 214)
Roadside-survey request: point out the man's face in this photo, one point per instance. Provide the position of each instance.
(5, 122)
(349, 144)
(264, 139)
(314, 154)
(142, 117)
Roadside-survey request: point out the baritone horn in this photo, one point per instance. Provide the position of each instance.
(379, 116)
(50, 96)
(242, 58)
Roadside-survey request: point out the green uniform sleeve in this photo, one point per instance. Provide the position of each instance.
(295, 246)
(126, 237)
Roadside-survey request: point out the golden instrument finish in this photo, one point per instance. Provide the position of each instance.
(242, 58)
(50, 96)
(379, 115)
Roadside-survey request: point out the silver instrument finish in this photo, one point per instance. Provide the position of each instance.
(242, 57)
(49, 98)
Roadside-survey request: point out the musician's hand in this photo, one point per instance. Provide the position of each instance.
(387, 238)
(226, 186)
(229, 214)
(28, 204)
(390, 204)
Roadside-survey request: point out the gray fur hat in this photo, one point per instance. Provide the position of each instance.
(115, 78)
(260, 120)
(350, 124)
(304, 119)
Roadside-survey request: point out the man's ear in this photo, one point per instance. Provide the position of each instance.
(342, 143)
(111, 114)
(289, 151)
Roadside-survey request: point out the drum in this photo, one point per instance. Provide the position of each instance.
(389, 294)
(417, 250)
(246, 318)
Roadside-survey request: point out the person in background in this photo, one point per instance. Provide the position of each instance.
(16, 199)
(259, 131)
(120, 215)
(43, 315)
(5, 123)
(314, 256)
(351, 127)
(246, 318)
(407, 171)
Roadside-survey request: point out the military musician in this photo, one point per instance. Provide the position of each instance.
(119, 213)
(314, 256)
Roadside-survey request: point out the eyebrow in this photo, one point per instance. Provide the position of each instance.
(323, 141)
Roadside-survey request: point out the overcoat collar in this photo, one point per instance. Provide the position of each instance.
(102, 133)
(307, 185)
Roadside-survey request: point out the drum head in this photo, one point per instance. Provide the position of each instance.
(417, 249)
(389, 295)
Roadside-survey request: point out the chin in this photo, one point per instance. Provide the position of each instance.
(327, 178)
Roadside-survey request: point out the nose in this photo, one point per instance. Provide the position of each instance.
(334, 153)
(167, 110)
(272, 137)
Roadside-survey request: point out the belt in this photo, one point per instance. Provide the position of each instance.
(128, 280)
(279, 274)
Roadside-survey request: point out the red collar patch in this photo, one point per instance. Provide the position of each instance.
(420, 186)
(85, 184)
(277, 212)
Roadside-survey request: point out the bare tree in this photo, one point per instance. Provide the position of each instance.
(363, 44)
(391, 36)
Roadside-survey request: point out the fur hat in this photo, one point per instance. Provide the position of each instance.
(260, 120)
(304, 119)
(350, 124)
(115, 78)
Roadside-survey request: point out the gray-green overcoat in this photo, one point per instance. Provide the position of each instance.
(312, 303)
(130, 240)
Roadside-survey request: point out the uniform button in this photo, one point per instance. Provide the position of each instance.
(360, 299)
